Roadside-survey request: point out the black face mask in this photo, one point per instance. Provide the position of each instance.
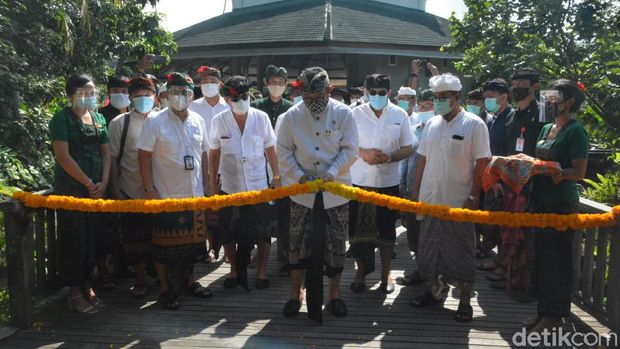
(520, 93)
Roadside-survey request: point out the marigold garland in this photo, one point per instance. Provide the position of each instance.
(511, 219)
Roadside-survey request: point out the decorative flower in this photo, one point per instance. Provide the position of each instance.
(581, 86)
(202, 69)
(233, 91)
(169, 77)
(510, 219)
(297, 84)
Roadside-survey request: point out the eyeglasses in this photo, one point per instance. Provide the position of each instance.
(242, 96)
(374, 92)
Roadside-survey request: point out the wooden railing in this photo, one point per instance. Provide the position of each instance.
(596, 285)
(32, 260)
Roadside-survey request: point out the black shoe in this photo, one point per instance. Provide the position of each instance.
(291, 308)
(387, 287)
(411, 279)
(337, 307)
(231, 283)
(261, 283)
(357, 287)
(168, 301)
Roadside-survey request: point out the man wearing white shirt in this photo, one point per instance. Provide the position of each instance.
(240, 140)
(384, 139)
(317, 139)
(125, 179)
(173, 148)
(210, 104)
(453, 155)
(407, 100)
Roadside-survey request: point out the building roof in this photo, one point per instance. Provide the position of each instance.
(329, 24)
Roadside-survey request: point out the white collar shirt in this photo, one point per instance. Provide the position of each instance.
(242, 158)
(171, 140)
(129, 179)
(451, 150)
(317, 145)
(387, 133)
(204, 109)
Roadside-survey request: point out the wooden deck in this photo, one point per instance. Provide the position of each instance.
(240, 319)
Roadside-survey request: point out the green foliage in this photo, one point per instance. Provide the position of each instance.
(605, 190)
(578, 40)
(43, 42)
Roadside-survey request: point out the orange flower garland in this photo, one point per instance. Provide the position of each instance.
(535, 220)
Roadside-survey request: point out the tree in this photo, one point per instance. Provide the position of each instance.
(44, 41)
(578, 40)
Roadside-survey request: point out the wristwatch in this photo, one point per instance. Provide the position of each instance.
(149, 189)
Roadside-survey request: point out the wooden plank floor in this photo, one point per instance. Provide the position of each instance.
(240, 319)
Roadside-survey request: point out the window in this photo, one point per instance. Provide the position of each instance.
(392, 60)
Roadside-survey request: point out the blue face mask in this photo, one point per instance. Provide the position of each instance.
(474, 109)
(424, 116)
(403, 104)
(143, 104)
(89, 103)
(119, 100)
(377, 102)
(491, 104)
(442, 106)
(298, 100)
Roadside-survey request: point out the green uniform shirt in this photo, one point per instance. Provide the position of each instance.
(571, 143)
(84, 144)
(273, 110)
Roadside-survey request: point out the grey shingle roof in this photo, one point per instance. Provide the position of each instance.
(311, 22)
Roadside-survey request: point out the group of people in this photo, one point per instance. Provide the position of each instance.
(162, 143)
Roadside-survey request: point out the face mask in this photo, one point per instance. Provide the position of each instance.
(404, 105)
(179, 102)
(298, 99)
(442, 106)
(520, 93)
(164, 103)
(241, 106)
(119, 100)
(143, 104)
(210, 90)
(353, 102)
(275, 90)
(378, 102)
(474, 109)
(89, 103)
(317, 106)
(491, 104)
(424, 116)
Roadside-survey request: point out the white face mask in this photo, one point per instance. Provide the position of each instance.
(241, 106)
(179, 102)
(276, 90)
(353, 101)
(164, 103)
(298, 100)
(210, 90)
(119, 100)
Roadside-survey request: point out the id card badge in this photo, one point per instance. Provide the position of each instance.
(189, 162)
(520, 143)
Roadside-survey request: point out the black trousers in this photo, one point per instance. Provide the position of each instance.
(554, 265)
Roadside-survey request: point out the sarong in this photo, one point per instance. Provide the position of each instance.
(448, 249)
(179, 237)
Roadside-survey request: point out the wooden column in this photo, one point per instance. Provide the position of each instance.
(20, 246)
